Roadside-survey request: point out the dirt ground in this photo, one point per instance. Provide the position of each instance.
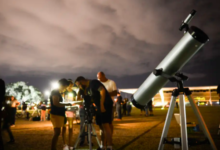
(134, 132)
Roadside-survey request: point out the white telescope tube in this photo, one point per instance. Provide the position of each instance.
(193, 40)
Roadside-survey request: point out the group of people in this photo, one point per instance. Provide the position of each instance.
(147, 110)
(122, 107)
(100, 92)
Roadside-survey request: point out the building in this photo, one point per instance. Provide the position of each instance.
(203, 95)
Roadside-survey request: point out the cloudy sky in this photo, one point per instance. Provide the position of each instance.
(44, 40)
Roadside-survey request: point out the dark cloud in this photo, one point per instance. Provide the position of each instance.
(41, 40)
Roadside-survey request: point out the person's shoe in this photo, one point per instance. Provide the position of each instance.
(65, 147)
(11, 142)
(12, 125)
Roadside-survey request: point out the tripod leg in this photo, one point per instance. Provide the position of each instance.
(201, 121)
(89, 136)
(183, 123)
(80, 133)
(167, 122)
(94, 133)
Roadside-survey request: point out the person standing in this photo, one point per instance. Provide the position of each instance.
(142, 111)
(124, 106)
(146, 111)
(58, 111)
(48, 112)
(7, 121)
(2, 99)
(118, 106)
(24, 109)
(69, 96)
(14, 105)
(111, 88)
(103, 101)
(43, 112)
(129, 108)
(150, 106)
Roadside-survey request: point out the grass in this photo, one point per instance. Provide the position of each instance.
(132, 133)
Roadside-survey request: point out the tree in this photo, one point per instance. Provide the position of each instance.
(22, 92)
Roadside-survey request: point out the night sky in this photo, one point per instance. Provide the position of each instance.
(45, 40)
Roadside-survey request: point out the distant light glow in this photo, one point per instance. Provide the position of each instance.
(47, 93)
(162, 97)
(70, 95)
(55, 85)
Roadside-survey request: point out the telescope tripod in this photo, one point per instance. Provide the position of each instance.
(90, 132)
(183, 124)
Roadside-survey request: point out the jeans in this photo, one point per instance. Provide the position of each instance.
(118, 109)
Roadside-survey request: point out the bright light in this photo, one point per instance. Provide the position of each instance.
(162, 97)
(70, 95)
(47, 93)
(55, 85)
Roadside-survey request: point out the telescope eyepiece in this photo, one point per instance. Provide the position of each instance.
(185, 23)
(193, 12)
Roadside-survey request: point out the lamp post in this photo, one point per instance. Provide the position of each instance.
(47, 93)
(54, 85)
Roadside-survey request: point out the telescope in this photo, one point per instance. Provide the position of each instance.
(192, 41)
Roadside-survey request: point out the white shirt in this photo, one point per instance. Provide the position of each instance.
(110, 86)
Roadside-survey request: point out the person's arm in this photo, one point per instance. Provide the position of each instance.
(57, 103)
(17, 103)
(114, 89)
(78, 97)
(102, 99)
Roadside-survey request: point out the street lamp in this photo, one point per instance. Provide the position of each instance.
(54, 85)
(47, 93)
